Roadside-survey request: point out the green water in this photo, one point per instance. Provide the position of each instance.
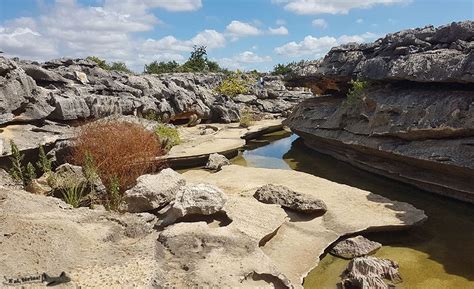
(437, 254)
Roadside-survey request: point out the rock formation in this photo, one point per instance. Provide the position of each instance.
(70, 89)
(153, 191)
(414, 119)
(216, 162)
(369, 273)
(281, 195)
(355, 247)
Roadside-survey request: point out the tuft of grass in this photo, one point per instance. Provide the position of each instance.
(115, 197)
(168, 136)
(72, 191)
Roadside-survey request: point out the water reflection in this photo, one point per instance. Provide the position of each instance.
(439, 254)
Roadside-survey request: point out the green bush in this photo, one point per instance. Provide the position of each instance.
(119, 66)
(43, 163)
(246, 118)
(115, 66)
(162, 67)
(357, 91)
(18, 171)
(168, 136)
(115, 197)
(100, 62)
(197, 62)
(233, 85)
(282, 69)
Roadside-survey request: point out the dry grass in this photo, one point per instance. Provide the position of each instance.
(121, 151)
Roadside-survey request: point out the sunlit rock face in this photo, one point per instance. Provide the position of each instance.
(413, 121)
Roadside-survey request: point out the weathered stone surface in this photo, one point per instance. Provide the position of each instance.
(216, 162)
(70, 89)
(96, 248)
(369, 273)
(355, 247)
(200, 199)
(413, 123)
(153, 191)
(308, 238)
(281, 195)
(428, 54)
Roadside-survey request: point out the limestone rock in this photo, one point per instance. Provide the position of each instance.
(281, 195)
(153, 191)
(355, 247)
(200, 199)
(40, 186)
(216, 162)
(369, 273)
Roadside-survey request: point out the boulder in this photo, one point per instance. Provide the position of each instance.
(216, 162)
(355, 247)
(369, 273)
(43, 76)
(153, 191)
(281, 195)
(40, 186)
(200, 199)
(194, 200)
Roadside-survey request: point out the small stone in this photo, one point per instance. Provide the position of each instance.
(216, 162)
(40, 186)
(281, 195)
(355, 247)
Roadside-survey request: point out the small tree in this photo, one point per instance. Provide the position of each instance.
(233, 85)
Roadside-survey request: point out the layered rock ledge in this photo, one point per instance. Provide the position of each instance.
(415, 120)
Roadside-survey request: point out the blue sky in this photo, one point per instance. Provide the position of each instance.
(241, 34)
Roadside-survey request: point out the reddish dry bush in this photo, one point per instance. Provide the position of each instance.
(121, 151)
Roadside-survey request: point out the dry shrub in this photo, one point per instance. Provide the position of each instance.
(121, 152)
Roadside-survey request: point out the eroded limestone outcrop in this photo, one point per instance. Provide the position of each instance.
(413, 122)
(355, 247)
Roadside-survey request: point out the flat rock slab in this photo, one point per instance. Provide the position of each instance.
(355, 247)
(226, 140)
(350, 210)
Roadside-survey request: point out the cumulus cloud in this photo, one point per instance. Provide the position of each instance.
(320, 23)
(243, 60)
(282, 30)
(317, 47)
(331, 6)
(237, 29)
(70, 29)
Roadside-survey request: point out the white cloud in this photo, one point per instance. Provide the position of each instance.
(320, 23)
(280, 22)
(139, 6)
(67, 28)
(317, 47)
(359, 20)
(278, 31)
(237, 29)
(243, 60)
(331, 6)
